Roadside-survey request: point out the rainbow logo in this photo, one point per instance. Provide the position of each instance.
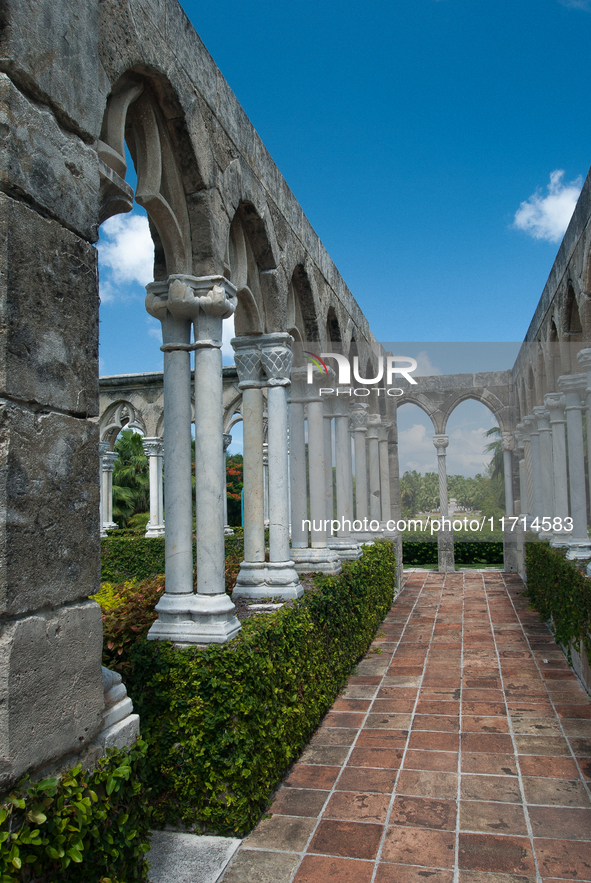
(316, 360)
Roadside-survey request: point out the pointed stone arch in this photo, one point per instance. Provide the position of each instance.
(302, 313)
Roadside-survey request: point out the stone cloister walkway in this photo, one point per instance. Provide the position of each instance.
(462, 753)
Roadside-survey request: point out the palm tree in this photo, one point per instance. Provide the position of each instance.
(496, 466)
(131, 477)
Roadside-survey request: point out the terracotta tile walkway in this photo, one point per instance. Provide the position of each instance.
(460, 753)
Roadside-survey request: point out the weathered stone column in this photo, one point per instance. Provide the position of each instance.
(344, 544)
(445, 537)
(359, 422)
(510, 539)
(154, 451)
(555, 402)
(266, 481)
(536, 465)
(572, 386)
(386, 508)
(584, 359)
(184, 617)
(547, 483)
(507, 442)
(276, 363)
(328, 481)
(103, 448)
(227, 441)
(527, 458)
(373, 457)
(109, 459)
(298, 476)
(252, 576)
(523, 491)
(319, 557)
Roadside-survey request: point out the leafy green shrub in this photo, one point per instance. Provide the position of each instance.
(85, 827)
(558, 590)
(128, 613)
(131, 557)
(420, 554)
(224, 724)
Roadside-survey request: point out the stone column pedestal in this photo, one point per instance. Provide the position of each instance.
(154, 451)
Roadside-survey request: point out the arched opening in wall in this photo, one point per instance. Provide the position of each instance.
(554, 364)
(333, 329)
(531, 390)
(419, 482)
(302, 318)
(248, 253)
(573, 328)
(234, 473)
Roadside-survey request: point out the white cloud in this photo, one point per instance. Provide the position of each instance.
(577, 4)
(547, 217)
(126, 255)
(227, 335)
(425, 367)
(417, 439)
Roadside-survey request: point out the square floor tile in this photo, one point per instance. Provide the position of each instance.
(488, 852)
(347, 839)
(318, 869)
(424, 812)
(357, 806)
(419, 846)
(494, 818)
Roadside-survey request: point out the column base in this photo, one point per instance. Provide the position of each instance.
(319, 560)
(347, 548)
(560, 540)
(110, 525)
(154, 530)
(268, 579)
(195, 619)
(578, 548)
(445, 552)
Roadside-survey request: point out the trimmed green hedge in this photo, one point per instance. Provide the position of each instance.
(83, 828)
(424, 554)
(224, 724)
(131, 557)
(558, 590)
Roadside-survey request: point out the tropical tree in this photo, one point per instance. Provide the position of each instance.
(131, 478)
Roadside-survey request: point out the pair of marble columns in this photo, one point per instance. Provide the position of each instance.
(186, 304)
(107, 460)
(264, 362)
(153, 449)
(552, 465)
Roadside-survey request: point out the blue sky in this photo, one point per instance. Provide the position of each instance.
(413, 133)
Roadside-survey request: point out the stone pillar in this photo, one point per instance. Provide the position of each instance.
(386, 508)
(266, 482)
(227, 441)
(547, 482)
(359, 421)
(584, 359)
(510, 540)
(297, 444)
(527, 459)
(103, 448)
(328, 472)
(555, 402)
(523, 495)
(109, 459)
(252, 577)
(154, 451)
(344, 544)
(276, 364)
(319, 558)
(373, 456)
(445, 537)
(184, 617)
(536, 465)
(572, 386)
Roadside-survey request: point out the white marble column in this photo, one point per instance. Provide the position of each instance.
(180, 303)
(584, 359)
(252, 576)
(108, 459)
(546, 479)
(525, 429)
(507, 442)
(276, 363)
(385, 504)
(373, 462)
(520, 449)
(154, 451)
(318, 558)
(328, 469)
(555, 402)
(344, 543)
(573, 386)
(536, 465)
(227, 441)
(359, 422)
(445, 537)
(266, 482)
(298, 476)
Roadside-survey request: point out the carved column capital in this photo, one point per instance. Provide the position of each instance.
(203, 300)
(555, 402)
(441, 442)
(104, 446)
(359, 417)
(507, 441)
(109, 460)
(226, 440)
(543, 418)
(263, 359)
(153, 446)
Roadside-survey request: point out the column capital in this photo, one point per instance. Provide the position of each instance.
(543, 417)
(555, 402)
(203, 300)
(383, 431)
(531, 423)
(109, 460)
(507, 441)
(104, 446)
(441, 442)
(226, 440)
(373, 425)
(572, 385)
(584, 359)
(263, 359)
(153, 446)
(359, 417)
